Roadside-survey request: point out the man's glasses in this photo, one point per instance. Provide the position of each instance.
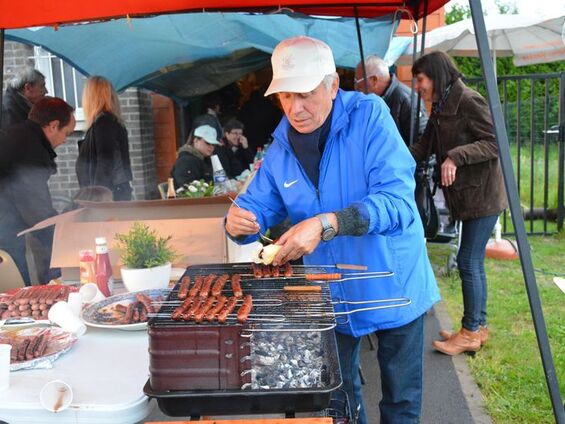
(360, 80)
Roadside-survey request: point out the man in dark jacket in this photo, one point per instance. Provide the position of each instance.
(395, 94)
(24, 90)
(27, 161)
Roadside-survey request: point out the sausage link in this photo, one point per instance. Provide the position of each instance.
(211, 315)
(288, 271)
(177, 313)
(199, 315)
(146, 301)
(223, 315)
(257, 273)
(205, 290)
(275, 271)
(245, 309)
(219, 285)
(129, 314)
(183, 289)
(236, 285)
(198, 280)
(198, 302)
(266, 270)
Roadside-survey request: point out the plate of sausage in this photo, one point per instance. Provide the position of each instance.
(128, 311)
(36, 347)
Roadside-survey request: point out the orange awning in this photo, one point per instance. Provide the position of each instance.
(30, 13)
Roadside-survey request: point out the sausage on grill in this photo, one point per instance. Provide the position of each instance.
(223, 315)
(183, 289)
(236, 285)
(196, 287)
(288, 270)
(199, 315)
(257, 273)
(205, 290)
(219, 285)
(211, 315)
(179, 310)
(245, 309)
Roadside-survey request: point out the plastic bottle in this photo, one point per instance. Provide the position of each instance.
(86, 264)
(104, 279)
(171, 193)
(220, 178)
(258, 159)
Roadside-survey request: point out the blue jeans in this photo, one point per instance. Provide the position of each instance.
(399, 354)
(471, 265)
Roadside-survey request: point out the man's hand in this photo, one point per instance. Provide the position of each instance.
(448, 169)
(241, 222)
(244, 142)
(301, 239)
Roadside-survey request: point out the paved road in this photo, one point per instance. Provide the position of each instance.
(446, 399)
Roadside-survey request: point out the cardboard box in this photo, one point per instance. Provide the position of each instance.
(196, 227)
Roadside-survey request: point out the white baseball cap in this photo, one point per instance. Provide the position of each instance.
(300, 64)
(207, 133)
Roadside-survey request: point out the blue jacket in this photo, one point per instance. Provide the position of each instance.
(364, 162)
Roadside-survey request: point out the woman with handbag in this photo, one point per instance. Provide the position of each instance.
(461, 135)
(103, 158)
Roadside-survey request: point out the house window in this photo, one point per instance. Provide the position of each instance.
(61, 79)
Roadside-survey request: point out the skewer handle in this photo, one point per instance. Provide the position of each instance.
(303, 289)
(314, 277)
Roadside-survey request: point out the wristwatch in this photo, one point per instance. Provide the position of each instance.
(328, 232)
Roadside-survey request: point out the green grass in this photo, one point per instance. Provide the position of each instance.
(539, 173)
(508, 370)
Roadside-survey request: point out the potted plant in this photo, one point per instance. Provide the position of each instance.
(146, 258)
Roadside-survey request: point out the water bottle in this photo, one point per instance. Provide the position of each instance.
(258, 159)
(220, 177)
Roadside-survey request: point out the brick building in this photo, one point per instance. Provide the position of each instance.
(137, 113)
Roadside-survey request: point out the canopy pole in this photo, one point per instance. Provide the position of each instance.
(360, 42)
(415, 98)
(515, 211)
(1, 72)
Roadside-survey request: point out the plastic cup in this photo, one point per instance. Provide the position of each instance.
(75, 302)
(62, 315)
(91, 294)
(5, 350)
(56, 396)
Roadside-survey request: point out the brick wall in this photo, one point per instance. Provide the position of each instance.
(136, 110)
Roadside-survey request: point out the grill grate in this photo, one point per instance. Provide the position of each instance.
(273, 308)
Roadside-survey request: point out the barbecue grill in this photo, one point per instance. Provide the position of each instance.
(283, 359)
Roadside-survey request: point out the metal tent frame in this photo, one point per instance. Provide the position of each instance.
(34, 12)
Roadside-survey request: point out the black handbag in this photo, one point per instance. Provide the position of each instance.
(424, 194)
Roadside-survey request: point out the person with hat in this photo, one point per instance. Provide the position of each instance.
(339, 169)
(193, 161)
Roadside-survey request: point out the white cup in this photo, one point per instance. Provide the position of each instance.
(56, 396)
(62, 315)
(91, 294)
(75, 302)
(5, 350)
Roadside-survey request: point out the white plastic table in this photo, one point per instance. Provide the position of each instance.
(106, 369)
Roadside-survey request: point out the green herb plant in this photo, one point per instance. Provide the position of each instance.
(143, 248)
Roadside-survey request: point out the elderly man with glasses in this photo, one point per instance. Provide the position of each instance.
(395, 94)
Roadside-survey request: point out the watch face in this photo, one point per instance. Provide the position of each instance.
(328, 234)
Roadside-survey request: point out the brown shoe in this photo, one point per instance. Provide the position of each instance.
(483, 332)
(462, 341)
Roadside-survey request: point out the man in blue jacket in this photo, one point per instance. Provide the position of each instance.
(341, 172)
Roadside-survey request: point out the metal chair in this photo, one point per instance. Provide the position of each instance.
(9, 273)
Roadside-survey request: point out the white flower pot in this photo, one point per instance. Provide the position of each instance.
(157, 277)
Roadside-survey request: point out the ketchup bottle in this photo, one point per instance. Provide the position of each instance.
(104, 279)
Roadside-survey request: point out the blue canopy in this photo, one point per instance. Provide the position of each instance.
(187, 55)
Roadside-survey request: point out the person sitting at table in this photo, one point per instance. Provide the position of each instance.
(193, 158)
(234, 152)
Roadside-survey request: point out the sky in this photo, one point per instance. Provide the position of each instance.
(526, 7)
